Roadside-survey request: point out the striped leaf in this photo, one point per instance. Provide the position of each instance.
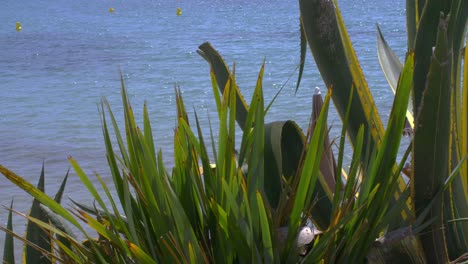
(222, 73)
(339, 67)
(430, 152)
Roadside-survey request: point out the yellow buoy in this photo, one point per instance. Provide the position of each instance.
(179, 11)
(111, 10)
(18, 26)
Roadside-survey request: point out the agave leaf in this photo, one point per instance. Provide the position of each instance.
(40, 196)
(425, 39)
(9, 249)
(457, 26)
(26, 242)
(284, 142)
(385, 249)
(35, 234)
(389, 62)
(59, 194)
(437, 196)
(464, 121)
(412, 19)
(455, 232)
(53, 229)
(457, 33)
(430, 152)
(303, 54)
(338, 65)
(222, 74)
(267, 243)
(339, 68)
(391, 67)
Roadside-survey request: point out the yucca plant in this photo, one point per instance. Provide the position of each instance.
(284, 196)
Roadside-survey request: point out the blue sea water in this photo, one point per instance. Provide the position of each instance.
(55, 71)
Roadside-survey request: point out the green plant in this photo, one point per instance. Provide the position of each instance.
(178, 217)
(436, 32)
(254, 205)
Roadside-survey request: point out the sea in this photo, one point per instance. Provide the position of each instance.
(70, 54)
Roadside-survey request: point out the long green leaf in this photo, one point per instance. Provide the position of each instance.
(59, 194)
(464, 120)
(430, 151)
(389, 62)
(256, 173)
(303, 54)
(139, 254)
(35, 234)
(425, 39)
(392, 67)
(87, 182)
(9, 249)
(303, 198)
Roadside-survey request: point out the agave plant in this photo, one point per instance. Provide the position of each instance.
(436, 33)
(284, 196)
(432, 71)
(39, 242)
